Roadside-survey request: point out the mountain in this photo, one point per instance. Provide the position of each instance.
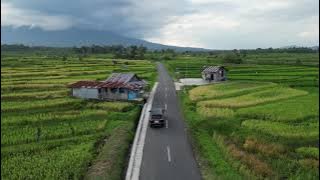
(76, 37)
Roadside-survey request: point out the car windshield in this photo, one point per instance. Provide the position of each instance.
(156, 116)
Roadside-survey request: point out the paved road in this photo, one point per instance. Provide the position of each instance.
(167, 153)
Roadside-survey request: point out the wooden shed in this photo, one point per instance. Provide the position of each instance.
(214, 73)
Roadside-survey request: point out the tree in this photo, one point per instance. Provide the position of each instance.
(119, 51)
(64, 58)
(298, 62)
(141, 51)
(131, 52)
(232, 58)
(244, 53)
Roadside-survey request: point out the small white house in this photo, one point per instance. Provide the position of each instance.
(214, 73)
(117, 87)
(90, 93)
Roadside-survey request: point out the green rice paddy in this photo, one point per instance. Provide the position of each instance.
(263, 123)
(46, 134)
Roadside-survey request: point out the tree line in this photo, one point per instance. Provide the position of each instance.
(119, 51)
(141, 52)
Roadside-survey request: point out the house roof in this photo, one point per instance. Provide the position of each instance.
(212, 69)
(120, 78)
(115, 80)
(88, 84)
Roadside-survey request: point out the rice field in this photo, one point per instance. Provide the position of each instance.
(305, 75)
(46, 134)
(286, 110)
(278, 129)
(263, 123)
(254, 98)
(227, 89)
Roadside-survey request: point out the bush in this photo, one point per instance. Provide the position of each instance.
(232, 58)
(298, 62)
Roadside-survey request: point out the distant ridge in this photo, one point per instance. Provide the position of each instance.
(76, 37)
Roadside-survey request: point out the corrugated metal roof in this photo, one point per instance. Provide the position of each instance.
(119, 77)
(212, 69)
(87, 84)
(115, 80)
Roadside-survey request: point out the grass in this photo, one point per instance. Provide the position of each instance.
(226, 90)
(308, 131)
(308, 152)
(46, 134)
(255, 98)
(110, 163)
(215, 159)
(263, 123)
(215, 112)
(111, 106)
(293, 109)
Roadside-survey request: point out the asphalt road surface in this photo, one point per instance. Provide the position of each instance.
(167, 153)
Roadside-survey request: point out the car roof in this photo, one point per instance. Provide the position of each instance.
(156, 111)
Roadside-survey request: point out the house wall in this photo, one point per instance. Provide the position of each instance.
(106, 93)
(87, 93)
(204, 76)
(217, 76)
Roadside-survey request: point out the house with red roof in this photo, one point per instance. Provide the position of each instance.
(119, 86)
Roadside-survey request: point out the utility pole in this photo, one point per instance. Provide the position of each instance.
(186, 69)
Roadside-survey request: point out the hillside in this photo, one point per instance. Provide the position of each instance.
(76, 37)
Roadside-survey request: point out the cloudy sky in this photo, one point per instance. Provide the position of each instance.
(216, 24)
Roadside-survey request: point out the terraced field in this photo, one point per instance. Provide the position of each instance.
(46, 134)
(292, 75)
(272, 131)
(262, 123)
(311, 59)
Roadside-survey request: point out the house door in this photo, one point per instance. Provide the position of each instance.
(132, 95)
(211, 77)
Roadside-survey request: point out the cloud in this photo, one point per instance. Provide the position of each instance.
(12, 16)
(310, 31)
(202, 23)
(244, 24)
(190, 30)
(128, 17)
(309, 34)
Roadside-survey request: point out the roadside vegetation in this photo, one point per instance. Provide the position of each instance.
(46, 134)
(261, 123)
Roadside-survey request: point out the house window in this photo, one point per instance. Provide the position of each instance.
(113, 90)
(121, 90)
(99, 90)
